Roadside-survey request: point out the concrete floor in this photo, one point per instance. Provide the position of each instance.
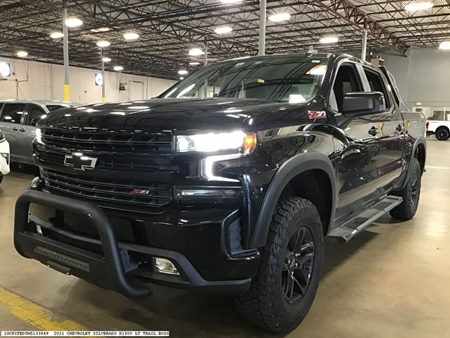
(393, 280)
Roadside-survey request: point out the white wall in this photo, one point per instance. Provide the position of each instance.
(46, 81)
(423, 76)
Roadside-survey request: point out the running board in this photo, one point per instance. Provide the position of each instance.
(346, 231)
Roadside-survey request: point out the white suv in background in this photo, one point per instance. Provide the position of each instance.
(439, 125)
(4, 156)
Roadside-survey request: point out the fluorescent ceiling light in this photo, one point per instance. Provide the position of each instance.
(329, 39)
(73, 22)
(106, 59)
(131, 36)
(103, 43)
(57, 35)
(196, 52)
(194, 63)
(181, 78)
(223, 30)
(418, 6)
(230, 1)
(279, 17)
(100, 30)
(445, 45)
(183, 72)
(118, 68)
(22, 54)
(5, 69)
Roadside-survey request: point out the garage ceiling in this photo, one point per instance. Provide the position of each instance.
(168, 29)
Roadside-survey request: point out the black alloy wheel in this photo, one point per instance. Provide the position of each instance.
(298, 265)
(414, 190)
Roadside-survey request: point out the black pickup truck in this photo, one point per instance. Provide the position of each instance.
(227, 182)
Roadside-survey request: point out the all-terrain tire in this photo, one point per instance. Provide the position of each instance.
(410, 193)
(266, 304)
(442, 133)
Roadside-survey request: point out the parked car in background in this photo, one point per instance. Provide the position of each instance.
(4, 156)
(18, 119)
(439, 125)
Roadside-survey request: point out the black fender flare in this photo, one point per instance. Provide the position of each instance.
(294, 166)
(421, 140)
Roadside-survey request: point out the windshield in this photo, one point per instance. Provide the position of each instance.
(293, 79)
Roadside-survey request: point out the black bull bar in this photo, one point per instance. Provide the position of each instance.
(111, 265)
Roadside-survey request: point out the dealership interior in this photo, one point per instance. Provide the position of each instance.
(118, 175)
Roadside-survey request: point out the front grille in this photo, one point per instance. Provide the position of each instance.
(114, 150)
(113, 193)
(92, 139)
(145, 162)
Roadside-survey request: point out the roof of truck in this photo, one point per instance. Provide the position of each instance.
(42, 102)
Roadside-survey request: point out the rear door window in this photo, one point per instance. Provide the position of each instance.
(376, 84)
(13, 112)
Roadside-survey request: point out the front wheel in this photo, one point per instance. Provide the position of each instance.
(281, 294)
(410, 193)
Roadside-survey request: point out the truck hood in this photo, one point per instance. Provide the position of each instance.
(175, 114)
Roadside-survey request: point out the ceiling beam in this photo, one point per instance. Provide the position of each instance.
(359, 19)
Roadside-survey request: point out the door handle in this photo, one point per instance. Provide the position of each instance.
(373, 131)
(22, 130)
(400, 128)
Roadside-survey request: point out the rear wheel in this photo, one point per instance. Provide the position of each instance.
(282, 293)
(442, 133)
(410, 193)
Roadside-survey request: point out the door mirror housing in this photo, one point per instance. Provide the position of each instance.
(360, 104)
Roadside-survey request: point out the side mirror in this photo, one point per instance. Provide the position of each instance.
(360, 104)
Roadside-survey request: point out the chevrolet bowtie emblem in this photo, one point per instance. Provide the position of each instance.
(80, 162)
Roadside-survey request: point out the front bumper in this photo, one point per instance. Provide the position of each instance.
(115, 266)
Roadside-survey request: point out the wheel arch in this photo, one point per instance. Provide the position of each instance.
(443, 127)
(315, 166)
(420, 153)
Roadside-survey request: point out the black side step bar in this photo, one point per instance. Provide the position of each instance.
(348, 230)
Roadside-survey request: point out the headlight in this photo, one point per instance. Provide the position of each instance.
(236, 140)
(39, 135)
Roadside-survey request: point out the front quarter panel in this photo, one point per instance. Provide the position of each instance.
(282, 154)
(415, 138)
